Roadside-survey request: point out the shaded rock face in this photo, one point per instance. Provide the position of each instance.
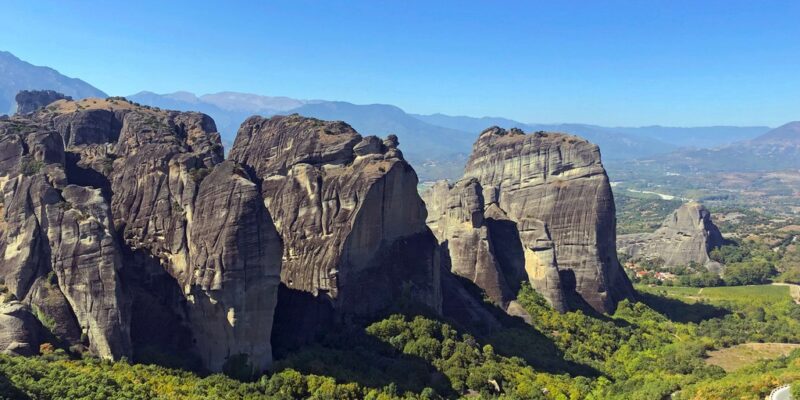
(474, 241)
(348, 211)
(107, 194)
(686, 236)
(20, 331)
(29, 101)
(536, 207)
(235, 256)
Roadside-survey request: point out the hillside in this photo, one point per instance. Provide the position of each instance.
(788, 134)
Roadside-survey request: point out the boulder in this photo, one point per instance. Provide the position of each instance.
(20, 331)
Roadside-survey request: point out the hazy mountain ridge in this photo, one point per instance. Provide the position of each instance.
(17, 75)
(620, 142)
(437, 144)
(775, 150)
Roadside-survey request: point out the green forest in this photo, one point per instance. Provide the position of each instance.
(648, 349)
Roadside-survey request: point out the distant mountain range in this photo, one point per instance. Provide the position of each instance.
(436, 144)
(17, 75)
(775, 150)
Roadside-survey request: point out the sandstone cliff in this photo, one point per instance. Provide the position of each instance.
(536, 207)
(59, 252)
(348, 211)
(686, 236)
(104, 193)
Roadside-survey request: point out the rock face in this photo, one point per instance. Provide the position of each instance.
(348, 211)
(59, 253)
(536, 207)
(686, 236)
(20, 331)
(104, 193)
(29, 101)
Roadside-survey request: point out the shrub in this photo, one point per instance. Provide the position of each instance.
(30, 166)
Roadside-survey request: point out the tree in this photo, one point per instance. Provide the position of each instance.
(756, 271)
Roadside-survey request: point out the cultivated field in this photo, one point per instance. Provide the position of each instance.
(736, 357)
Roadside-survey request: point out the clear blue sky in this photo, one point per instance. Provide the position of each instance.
(626, 63)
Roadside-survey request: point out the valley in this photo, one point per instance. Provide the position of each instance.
(223, 244)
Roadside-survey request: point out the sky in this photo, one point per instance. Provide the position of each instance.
(613, 63)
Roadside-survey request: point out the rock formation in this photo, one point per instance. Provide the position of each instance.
(686, 236)
(536, 207)
(60, 256)
(29, 101)
(20, 331)
(348, 211)
(104, 193)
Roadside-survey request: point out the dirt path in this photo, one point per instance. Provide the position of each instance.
(794, 290)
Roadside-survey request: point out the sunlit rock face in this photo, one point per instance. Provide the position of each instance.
(686, 237)
(59, 253)
(129, 228)
(348, 211)
(536, 207)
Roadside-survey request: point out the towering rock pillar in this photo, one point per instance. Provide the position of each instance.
(100, 193)
(348, 211)
(536, 206)
(686, 236)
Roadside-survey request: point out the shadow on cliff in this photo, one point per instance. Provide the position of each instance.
(78, 175)
(10, 392)
(512, 336)
(159, 334)
(679, 311)
(309, 338)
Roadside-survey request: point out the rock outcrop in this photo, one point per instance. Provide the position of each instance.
(348, 211)
(29, 101)
(686, 237)
(20, 331)
(536, 207)
(59, 252)
(104, 193)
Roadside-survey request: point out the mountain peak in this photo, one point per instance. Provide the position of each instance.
(784, 134)
(21, 75)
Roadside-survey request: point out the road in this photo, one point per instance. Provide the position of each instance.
(781, 393)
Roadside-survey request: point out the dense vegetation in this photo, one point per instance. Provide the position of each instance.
(641, 213)
(646, 350)
(747, 262)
